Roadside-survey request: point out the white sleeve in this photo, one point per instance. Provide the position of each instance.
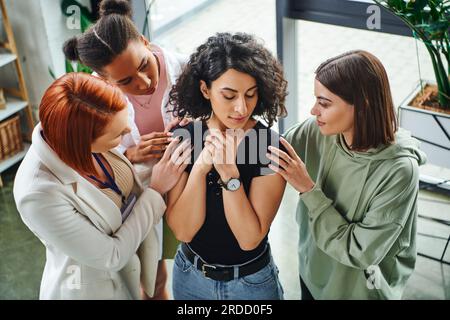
(182, 59)
(55, 221)
(131, 139)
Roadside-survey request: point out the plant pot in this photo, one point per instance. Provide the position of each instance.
(431, 128)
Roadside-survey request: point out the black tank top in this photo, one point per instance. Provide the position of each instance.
(215, 242)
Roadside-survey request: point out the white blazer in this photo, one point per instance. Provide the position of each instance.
(91, 254)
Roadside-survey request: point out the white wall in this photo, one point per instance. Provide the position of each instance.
(40, 31)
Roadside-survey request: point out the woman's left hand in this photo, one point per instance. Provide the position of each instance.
(291, 167)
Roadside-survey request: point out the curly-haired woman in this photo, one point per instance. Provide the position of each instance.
(224, 204)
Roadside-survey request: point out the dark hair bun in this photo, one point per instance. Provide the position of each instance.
(121, 7)
(70, 49)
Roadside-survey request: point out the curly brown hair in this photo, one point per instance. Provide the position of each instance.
(218, 54)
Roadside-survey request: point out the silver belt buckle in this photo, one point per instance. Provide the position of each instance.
(209, 266)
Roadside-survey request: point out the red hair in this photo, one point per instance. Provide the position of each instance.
(74, 112)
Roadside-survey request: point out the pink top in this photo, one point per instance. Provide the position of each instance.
(147, 108)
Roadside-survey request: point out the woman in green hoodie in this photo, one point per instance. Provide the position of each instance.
(357, 178)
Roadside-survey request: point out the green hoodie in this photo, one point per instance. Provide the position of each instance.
(358, 224)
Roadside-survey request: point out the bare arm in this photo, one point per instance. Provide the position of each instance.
(250, 217)
(186, 203)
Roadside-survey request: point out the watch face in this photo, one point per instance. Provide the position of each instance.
(233, 184)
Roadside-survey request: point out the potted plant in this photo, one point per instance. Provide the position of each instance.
(426, 111)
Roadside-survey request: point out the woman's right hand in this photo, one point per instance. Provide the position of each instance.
(167, 172)
(151, 146)
(290, 167)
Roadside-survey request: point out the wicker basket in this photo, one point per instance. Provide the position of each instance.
(2, 99)
(10, 137)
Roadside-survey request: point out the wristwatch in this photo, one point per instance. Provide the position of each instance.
(231, 185)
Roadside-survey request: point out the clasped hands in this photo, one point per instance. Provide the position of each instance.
(220, 152)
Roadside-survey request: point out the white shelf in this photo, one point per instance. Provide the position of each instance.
(6, 58)
(12, 106)
(443, 183)
(5, 164)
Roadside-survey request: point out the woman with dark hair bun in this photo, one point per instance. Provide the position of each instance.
(145, 72)
(357, 177)
(224, 204)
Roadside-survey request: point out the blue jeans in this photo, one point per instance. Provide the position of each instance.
(189, 283)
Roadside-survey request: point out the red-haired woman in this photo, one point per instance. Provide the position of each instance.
(83, 199)
(115, 49)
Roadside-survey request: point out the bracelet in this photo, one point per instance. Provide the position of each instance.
(300, 193)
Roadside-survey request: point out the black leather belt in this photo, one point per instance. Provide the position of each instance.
(221, 273)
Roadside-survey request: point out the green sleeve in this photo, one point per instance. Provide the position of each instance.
(299, 134)
(298, 131)
(365, 243)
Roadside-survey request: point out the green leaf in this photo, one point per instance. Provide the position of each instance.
(419, 5)
(52, 74)
(69, 67)
(85, 23)
(434, 12)
(82, 68)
